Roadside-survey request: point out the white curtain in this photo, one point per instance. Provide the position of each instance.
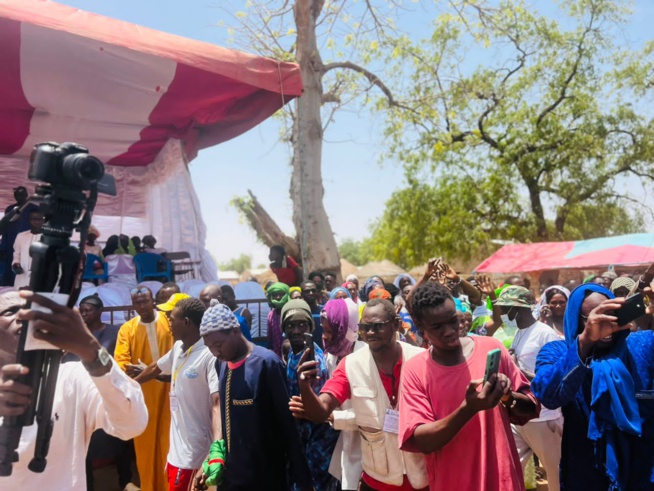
(159, 200)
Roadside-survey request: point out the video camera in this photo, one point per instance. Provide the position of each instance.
(72, 180)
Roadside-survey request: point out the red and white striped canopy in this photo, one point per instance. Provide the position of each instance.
(142, 101)
(123, 90)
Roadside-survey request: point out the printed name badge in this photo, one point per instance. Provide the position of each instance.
(392, 421)
(174, 403)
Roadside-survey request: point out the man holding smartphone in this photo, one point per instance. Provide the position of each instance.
(449, 413)
(91, 394)
(370, 380)
(318, 439)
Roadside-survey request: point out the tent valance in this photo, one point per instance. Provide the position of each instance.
(629, 249)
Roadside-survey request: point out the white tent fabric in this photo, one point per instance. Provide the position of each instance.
(171, 210)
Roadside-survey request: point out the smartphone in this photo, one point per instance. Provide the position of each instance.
(308, 343)
(632, 309)
(492, 363)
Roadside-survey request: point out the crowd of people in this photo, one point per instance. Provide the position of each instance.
(25, 226)
(387, 386)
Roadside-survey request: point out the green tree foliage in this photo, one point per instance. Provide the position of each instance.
(542, 122)
(356, 252)
(466, 219)
(238, 264)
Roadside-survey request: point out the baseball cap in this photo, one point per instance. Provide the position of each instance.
(172, 301)
(515, 296)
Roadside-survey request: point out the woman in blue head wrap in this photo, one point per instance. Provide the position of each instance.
(339, 292)
(601, 377)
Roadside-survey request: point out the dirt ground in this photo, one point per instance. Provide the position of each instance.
(106, 479)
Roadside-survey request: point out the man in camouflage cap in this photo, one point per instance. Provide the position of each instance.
(542, 435)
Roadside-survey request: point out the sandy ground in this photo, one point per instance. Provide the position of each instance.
(106, 479)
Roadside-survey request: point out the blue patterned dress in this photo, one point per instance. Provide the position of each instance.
(318, 440)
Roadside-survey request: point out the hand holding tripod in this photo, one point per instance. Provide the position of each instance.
(56, 265)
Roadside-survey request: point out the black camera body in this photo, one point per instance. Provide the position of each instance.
(69, 165)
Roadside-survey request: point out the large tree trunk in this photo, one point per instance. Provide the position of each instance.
(314, 232)
(537, 209)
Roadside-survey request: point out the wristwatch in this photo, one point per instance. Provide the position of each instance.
(102, 360)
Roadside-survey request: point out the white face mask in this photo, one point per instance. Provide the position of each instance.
(509, 322)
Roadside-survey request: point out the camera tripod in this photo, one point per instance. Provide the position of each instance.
(56, 264)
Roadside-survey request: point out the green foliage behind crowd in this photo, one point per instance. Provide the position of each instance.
(545, 137)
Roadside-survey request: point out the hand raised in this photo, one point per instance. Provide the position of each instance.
(448, 272)
(485, 285)
(433, 268)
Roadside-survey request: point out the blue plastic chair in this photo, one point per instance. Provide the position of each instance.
(89, 272)
(152, 267)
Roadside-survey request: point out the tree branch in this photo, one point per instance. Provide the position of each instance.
(372, 78)
(264, 226)
(563, 93)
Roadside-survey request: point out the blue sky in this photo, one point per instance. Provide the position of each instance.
(356, 186)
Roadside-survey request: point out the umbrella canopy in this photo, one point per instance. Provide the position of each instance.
(629, 249)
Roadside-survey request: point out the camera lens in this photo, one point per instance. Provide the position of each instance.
(82, 169)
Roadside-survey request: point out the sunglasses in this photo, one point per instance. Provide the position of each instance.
(137, 291)
(376, 327)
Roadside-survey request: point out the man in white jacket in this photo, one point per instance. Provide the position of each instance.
(90, 394)
(370, 379)
(22, 263)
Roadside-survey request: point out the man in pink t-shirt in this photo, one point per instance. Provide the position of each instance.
(462, 429)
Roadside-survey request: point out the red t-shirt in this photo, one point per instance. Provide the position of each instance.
(287, 275)
(483, 455)
(339, 386)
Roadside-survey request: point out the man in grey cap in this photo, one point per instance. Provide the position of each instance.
(542, 435)
(318, 439)
(260, 436)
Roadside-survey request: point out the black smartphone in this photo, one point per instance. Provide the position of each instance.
(632, 309)
(308, 343)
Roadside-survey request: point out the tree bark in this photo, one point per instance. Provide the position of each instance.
(265, 227)
(315, 236)
(561, 218)
(537, 209)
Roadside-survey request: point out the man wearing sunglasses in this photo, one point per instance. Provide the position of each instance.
(141, 341)
(370, 379)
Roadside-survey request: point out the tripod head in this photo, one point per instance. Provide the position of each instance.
(72, 179)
